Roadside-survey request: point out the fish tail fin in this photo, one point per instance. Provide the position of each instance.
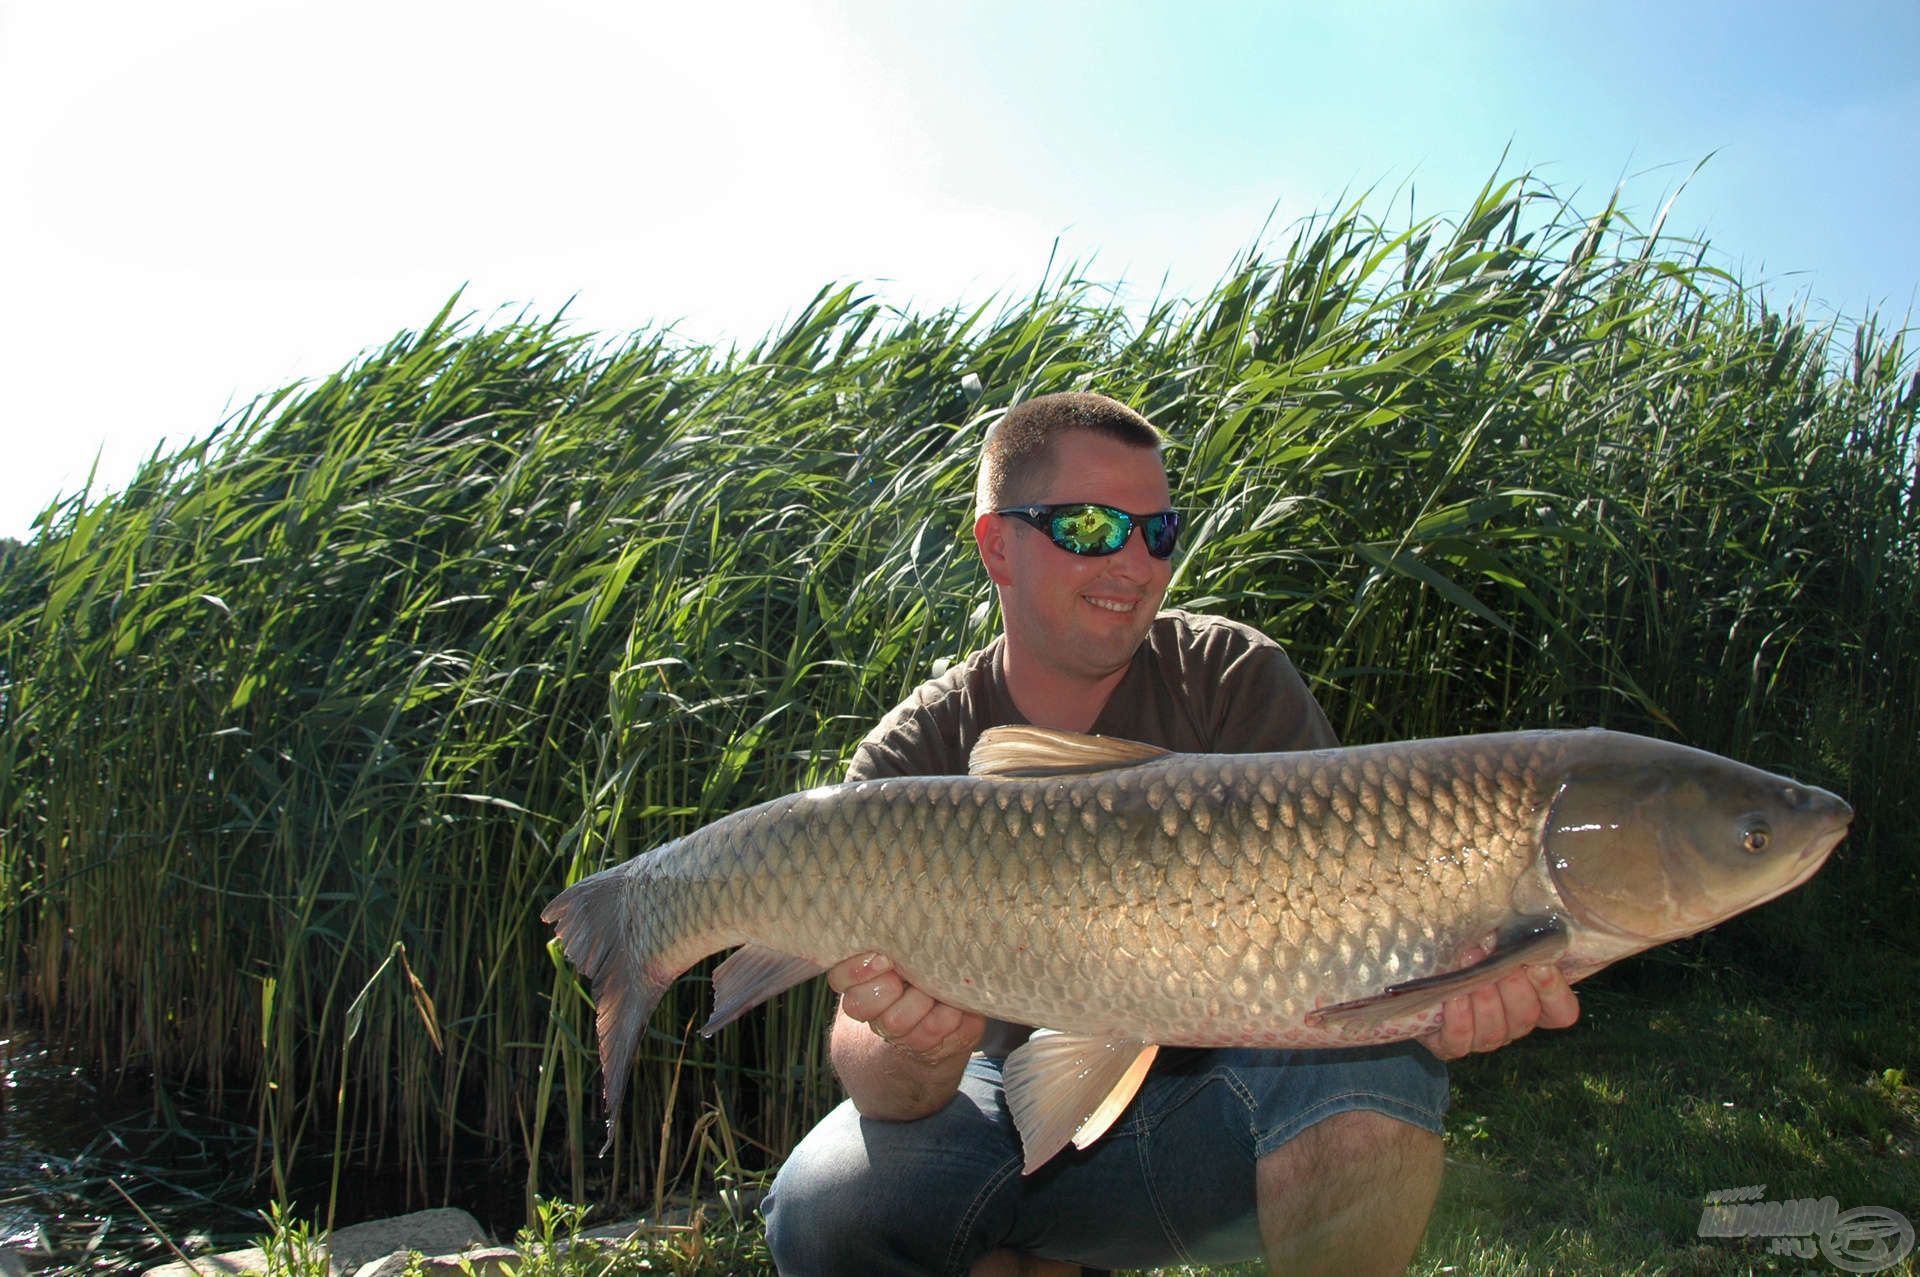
(595, 923)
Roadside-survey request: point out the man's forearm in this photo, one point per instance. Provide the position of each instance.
(888, 1082)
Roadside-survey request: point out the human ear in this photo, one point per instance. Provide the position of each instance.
(990, 536)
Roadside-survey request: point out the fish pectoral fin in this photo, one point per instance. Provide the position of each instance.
(1533, 939)
(750, 975)
(1065, 1087)
(1039, 751)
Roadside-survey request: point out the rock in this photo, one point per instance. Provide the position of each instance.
(443, 1231)
(228, 1263)
(488, 1261)
(736, 1204)
(451, 1241)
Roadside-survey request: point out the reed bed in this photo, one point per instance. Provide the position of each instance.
(300, 730)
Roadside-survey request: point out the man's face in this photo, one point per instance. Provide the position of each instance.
(1079, 615)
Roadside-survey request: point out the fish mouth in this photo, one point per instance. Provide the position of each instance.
(1814, 854)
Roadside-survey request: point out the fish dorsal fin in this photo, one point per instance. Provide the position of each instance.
(1064, 1087)
(1040, 751)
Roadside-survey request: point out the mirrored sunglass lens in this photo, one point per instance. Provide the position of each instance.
(1160, 531)
(1090, 529)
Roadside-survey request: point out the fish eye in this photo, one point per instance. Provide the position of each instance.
(1757, 839)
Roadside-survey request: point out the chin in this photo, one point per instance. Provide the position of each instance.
(1117, 636)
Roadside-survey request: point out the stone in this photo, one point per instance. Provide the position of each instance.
(451, 1243)
(613, 1232)
(231, 1263)
(488, 1261)
(441, 1231)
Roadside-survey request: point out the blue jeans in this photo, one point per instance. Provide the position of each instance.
(1171, 1182)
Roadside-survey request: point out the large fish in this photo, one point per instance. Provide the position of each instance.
(1128, 898)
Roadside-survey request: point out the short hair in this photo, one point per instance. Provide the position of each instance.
(1017, 457)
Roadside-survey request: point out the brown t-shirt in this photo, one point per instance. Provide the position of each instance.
(1197, 685)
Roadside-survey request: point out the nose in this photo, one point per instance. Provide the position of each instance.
(1818, 802)
(1132, 555)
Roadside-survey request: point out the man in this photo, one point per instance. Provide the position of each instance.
(1323, 1161)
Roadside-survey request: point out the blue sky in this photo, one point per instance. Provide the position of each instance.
(205, 200)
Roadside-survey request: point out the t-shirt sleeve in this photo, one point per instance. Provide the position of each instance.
(1265, 707)
(912, 740)
(885, 753)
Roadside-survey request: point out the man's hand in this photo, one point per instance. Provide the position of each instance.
(873, 993)
(1496, 1014)
(898, 1051)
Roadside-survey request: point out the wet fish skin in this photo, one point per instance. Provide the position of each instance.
(1137, 898)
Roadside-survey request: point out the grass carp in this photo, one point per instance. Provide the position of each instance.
(1127, 898)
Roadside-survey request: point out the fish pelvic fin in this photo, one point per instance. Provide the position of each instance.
(750, 975)
(1040, 751)
(1068, 1088)
(593, 920)
(1527, 940)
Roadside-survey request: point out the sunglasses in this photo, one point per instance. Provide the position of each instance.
(1081, 527)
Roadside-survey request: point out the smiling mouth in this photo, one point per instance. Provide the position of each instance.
(1110, 605)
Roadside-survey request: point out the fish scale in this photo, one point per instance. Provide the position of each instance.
(1129, 898)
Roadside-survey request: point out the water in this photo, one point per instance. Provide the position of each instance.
(73, 1151)
(70, 1149)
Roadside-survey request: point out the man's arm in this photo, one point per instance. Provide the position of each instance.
(897, 1050)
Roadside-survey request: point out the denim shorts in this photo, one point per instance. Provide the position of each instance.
(1171, 1182)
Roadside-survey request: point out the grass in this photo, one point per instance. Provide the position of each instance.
(1594, 1150)
(557, 1243)
(299, 730)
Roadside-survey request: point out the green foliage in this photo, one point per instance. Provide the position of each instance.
(389, 658)
(724, 1245)
(292, 1246)
(554, 1244)
(1596, 1151)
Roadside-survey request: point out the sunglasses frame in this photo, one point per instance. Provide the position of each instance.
(1042, 516)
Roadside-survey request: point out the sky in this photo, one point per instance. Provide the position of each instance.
(204, 200)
